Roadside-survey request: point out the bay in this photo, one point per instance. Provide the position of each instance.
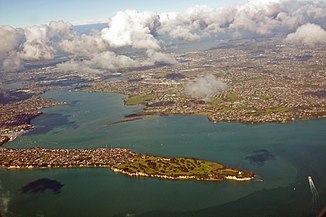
(282, 156)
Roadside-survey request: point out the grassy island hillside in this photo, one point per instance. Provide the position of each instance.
(181, 168)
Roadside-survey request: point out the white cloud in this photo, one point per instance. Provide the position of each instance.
(155, 57)
(132, 28)
(32, 43)
(258, 16)
(12, 63)
(110, 61)
(40, 40)
(139, 30)
(103, 62)
(61, 30)
(308, 34)
(84, 45)
(205, 87)
(78, 67)
(9, 39)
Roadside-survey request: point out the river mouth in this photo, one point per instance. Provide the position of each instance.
(282, 155)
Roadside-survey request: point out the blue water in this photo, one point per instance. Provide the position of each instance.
(282, 189)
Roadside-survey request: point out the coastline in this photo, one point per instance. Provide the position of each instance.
(121, 160)
(182, 177)
(143, 115)
(18, 116)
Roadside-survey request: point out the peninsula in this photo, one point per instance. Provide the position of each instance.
(121, 161)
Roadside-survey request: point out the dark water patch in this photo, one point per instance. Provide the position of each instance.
(258, 52)
(175, 76)
(133, 80)
(41, 185)
(276, 50)
(13, 85)
(259, 157)
(13, 96)
(48, 122)
(319, 94)
(38, 78)
(260, 57)
(303, 58)
(282, 59)
(114, 78)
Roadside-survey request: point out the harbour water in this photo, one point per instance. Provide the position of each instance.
(282, 156)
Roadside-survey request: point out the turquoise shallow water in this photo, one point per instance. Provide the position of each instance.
(295, 150)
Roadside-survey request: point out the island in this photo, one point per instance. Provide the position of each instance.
(123, 161)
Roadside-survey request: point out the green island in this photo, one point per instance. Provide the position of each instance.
(180, 168)
(121, 161)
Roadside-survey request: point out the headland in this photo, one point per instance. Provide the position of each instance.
(121, 161)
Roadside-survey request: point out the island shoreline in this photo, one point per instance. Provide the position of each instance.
(121, 160)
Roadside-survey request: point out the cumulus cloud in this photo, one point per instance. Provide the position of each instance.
(155, 57)
(37, 45)
(9, 39)
(99, 63)
(126, 29)
(41, 39)
(111, 61)
(12, 63)
(205, 87)
(36, 51)
(32, 43)
(84, 45)
(9, 43)
(78, 67)
(197, 21)
(140, 31)
(61, 29)
(308, 34)
(132, 28)
(258, 16)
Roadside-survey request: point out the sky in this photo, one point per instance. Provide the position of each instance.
(22, 13)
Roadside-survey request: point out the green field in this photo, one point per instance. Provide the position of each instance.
(263, 97)
(231, 97)
(216, 101)
(138, 99)
(273, 110)
(175, 167)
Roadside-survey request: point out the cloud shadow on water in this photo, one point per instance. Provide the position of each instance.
(259, 157)
(41, 185)
(48, 122)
